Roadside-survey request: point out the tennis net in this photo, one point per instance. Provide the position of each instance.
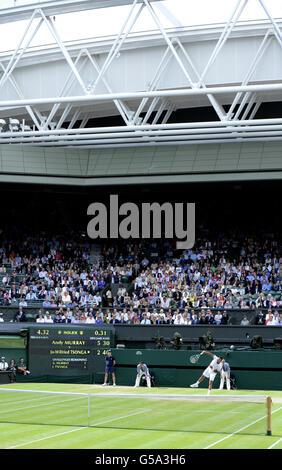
(136, 411)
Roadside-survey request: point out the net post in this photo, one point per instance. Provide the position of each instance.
(268, 405)
(88, 398)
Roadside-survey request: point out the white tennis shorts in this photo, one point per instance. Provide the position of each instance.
(209, 374)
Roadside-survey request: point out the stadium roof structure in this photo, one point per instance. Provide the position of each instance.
(144, 87)
(17, 10)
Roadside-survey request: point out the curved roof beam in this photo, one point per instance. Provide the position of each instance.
(23, 12)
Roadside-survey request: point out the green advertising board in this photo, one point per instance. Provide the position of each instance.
(64, 351)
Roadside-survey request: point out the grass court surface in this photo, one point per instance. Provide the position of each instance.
(40, 421)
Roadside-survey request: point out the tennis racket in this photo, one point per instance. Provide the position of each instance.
(195, 358)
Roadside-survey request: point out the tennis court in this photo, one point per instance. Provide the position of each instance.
(80, 416)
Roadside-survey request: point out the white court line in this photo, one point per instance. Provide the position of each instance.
(77, 429)
(12, 402)
(275, 443)
(239, 430)
(27, 408)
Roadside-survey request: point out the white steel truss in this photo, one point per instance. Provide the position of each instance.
(145, 113)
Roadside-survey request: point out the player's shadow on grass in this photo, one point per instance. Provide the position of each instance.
(131, 428)
(191, 431)
(30, 423)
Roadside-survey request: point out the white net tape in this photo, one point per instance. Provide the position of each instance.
(223, 397)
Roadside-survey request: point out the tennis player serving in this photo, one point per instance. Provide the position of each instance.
(211, 371)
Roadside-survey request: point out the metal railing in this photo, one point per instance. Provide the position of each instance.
(18, 3)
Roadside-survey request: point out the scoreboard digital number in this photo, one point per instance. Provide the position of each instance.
(68, 351)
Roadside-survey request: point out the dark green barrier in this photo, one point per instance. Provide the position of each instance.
(253, 370)
(250, 359)
(13, 347)
(12, 342)
(88, 379)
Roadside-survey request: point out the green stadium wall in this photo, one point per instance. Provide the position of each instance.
(253, 369)
(13, 347)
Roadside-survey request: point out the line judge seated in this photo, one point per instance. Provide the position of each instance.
(142, 370)
(3, 364)
(22, 367)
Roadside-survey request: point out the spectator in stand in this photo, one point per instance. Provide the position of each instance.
(90, 318)
(48, 318)
(46, 303)
(203, 320)
(40, 318)
(276, 316)
(14, 293)
(218, 318)
(245, 321)
(194, 320)
(58, 318)
(20, 315)
(210, 318)
(146, 320)
(75, 318)
(135, 320)
(114, 319)
(23, 302)
(260, 318)
(6, 300)
(82, 318)
(225, 318)
(3, 269)
(179, 320)
(271, 320)
(109, 297)
(68, 315)
(66, 298)
(31, 295)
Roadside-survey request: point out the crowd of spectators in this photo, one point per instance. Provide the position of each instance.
(143, 282)
(154, 317)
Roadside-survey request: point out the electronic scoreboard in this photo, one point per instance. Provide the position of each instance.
(68, 351)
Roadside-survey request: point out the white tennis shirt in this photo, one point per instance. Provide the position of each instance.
(215, 366)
